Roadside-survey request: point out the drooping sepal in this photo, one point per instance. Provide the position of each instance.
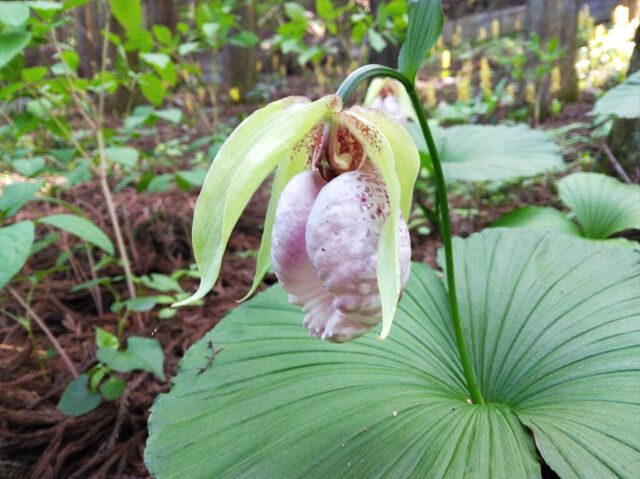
(261, 142)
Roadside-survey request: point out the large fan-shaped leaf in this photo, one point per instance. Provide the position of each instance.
(276, 403)
(602, 205)
(491, 153)
(622, 101)
(550, 326)
(553, 330)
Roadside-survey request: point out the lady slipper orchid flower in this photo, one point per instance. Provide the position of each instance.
(389, 95)
(335, 228)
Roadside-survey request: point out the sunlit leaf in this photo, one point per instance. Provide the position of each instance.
(71, 58)
(622, 101)
(13, 14)
(46, 9)
(112, 388)
(11, 44)
(187, 179)
(162, 33)
(33, 74)
(128, 13)
(173, 115)
(152, 88)
(29, 166)
(159, 60)
(244, 39)
(124, 155)
(104, 339)
(295, 12)
(141, 304)
(15, 195)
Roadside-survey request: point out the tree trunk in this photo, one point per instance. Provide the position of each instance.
(162, 12)
(624, 137)
(388, 56)
(242, 60)
(88, 39)
(552, 18)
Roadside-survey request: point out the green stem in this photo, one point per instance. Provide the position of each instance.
(445, 231)
(347, 87)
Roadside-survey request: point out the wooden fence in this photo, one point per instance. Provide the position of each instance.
(512, 20)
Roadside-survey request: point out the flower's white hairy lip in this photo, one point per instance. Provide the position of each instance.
(342, 242)
(293, 266)
(309, 252)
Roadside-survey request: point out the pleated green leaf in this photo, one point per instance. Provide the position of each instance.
(275, 403)
(424, 29)
(496, 153)
(491, 152)
(552, 329)
(622, 101)
(539, 218)
(552, 325)
(602, 205)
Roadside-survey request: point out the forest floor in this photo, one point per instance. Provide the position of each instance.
(37, 440)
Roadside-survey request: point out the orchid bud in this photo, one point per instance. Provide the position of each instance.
(389, 96)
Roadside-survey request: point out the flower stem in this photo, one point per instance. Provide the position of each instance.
(445, 231)
(347, 87)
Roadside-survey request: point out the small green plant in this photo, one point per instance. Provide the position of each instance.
(336, 29)
(85, 392)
